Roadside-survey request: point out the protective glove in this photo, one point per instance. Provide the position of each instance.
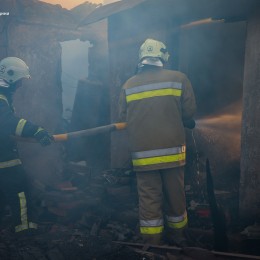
(189, 123)
(43, 137)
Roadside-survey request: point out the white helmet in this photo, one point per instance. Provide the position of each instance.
(13, 69)
(155, 49)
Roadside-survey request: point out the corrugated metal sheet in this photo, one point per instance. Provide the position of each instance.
(105, 11)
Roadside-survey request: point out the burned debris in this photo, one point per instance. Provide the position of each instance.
(94, 215)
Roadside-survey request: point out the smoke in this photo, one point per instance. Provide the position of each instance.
(74, 67)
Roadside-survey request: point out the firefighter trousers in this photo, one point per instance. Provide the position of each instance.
(161, 191)
(14, 187)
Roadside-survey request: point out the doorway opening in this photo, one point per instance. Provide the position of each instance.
(74, 64)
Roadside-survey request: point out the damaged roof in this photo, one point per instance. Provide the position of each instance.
(105, 11)
(41, 13)
(188, 10)
(37, 12)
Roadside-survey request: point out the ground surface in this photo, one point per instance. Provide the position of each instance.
(84, 217)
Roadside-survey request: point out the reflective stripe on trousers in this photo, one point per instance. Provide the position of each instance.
(151, 227)
(168, 155)
(177, 222)
(10, 163)
(24, 217)
(153, 90)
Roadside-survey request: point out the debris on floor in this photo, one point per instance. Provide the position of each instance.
(93, 214)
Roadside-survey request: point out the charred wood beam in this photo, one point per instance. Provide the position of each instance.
(146, 247)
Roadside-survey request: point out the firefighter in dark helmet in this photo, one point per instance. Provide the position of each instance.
(13, 183)
(157, 104)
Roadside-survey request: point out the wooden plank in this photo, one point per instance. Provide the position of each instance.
(179, 250)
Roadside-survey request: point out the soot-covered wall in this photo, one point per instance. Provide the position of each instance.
(212, 55)
(39, 100)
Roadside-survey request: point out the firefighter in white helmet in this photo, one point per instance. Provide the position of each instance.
(157, 104)
(13, 182)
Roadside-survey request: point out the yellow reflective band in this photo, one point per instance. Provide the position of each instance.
(10, 163)
(4, 98)
(33, 225)
(153, 86)
(39, 130)
(25, 226)
(180, 224)
(20, 126)
(151, 230)
(159, 159)
(21, 227)
(23, 207)
(24, 217)
(154, 93)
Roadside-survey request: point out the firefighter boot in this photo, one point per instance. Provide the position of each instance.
(155, 239)
(177, 237)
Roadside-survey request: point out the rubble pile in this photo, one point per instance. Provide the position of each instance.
(94, 215)
(78, 219)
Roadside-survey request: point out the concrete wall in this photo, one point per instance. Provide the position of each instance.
(250, 146)
(39, 100)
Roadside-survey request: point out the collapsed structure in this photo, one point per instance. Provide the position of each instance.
(214, 42)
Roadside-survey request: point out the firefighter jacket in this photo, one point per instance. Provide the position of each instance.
(11, 125)
(154, 104)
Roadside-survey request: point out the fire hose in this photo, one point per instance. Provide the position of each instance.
(92, 131)
(81, 133)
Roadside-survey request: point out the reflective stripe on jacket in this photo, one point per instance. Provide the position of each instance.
(4, 98)
(154, 104)
(174, 155)
(11, 125)
(153, 90)
(11, 163)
